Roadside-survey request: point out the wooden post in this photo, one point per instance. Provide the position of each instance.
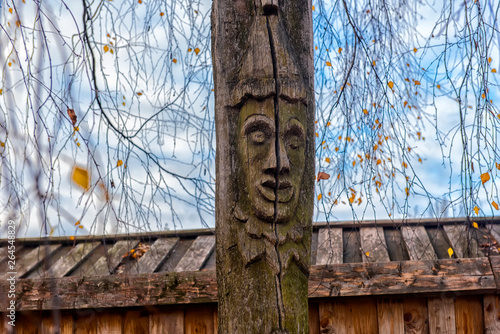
(264, 110)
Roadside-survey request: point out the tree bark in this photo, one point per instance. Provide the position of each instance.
(264, 110)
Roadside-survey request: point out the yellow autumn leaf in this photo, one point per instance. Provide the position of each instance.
(498, 165)
(390, 84)
(365, 111)
(162, 14)
(328, 63)
(495, 205)
(438, 86)
(494, 70)
(80, 226)
(340, 50)
(485, 177)
(367, 254)
(407, 191)
(474, 224)
(71, 238)
(476, 210)
(77, 223)
(10, 10)
(374, 63)
(327, 160)
(119, 163)
(450, 252)
(196, 51)
(489, 60)
(106, 48)
(319, 196)
(313, 8)
(174, 61)
(189, 50)
(1, 91)
(415, 50)
(417, 83)
(81, 177)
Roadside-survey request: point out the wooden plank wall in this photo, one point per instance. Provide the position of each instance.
(451, 314)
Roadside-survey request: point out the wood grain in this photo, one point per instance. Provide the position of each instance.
(469, 317)
(373, 244)
(199, 320)
(136, 322)
(390, 316)
(167, 322)
(441, 315)
(314, 326)
(415, 314)
(418, 243)
(491, 310)
(109, 323)
(349, 316)
(330, 246)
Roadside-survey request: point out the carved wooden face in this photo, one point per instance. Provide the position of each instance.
(272, 162)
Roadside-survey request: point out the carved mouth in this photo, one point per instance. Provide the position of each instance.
(285, 190)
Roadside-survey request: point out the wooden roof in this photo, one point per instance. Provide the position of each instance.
(348, 259)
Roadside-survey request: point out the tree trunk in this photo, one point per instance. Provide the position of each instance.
(264, 110)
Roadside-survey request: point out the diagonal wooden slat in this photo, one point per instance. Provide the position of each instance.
(71, 260)
(106, 264)
(418, 243)
(34, 258)
(461, 241)
(330, 246)
(197, 254)
(494, 229)
(373, 244)
(155, 256)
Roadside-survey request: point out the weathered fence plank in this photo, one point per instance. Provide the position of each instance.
(491, 310)
(167, 322)
(441, 315)
(199, 321)
(415, 314)
(390, 316)
(330, 246)
(136, 322)
(462, 241)
(108, 263)
(76, 256)
(155, 256)
(197, 254)
(109, 323)
(373, 244)
(469, 316)
(418, 243)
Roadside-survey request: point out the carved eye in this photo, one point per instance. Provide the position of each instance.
(257, 137)
(294, 142)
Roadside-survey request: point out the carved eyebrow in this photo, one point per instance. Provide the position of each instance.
(295, 127)
(255, 122)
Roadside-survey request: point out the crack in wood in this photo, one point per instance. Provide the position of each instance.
(279, 293)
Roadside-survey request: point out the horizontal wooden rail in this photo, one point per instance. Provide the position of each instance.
(471, 275)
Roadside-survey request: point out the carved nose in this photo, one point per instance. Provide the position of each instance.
(271, 164)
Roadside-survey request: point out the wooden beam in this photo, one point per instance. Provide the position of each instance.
(495, 267)
(349, 279)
